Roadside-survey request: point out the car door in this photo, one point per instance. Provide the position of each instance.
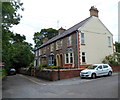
(99, 70)
(105, 69)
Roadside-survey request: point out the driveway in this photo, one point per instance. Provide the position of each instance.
(21, 86)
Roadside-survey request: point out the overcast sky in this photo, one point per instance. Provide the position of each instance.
(39, 14)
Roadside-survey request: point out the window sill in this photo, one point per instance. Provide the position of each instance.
(69, 64)
(69, 46)
(58, 49)
(82, 44)
(109, 46)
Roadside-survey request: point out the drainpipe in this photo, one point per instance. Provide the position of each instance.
(78, 47)
(58, 73)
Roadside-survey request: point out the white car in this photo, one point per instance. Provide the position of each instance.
(96, 70)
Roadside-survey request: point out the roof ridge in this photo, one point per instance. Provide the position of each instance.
(67, 32)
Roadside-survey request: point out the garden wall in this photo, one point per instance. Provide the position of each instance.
(59, 75)
(116, 68)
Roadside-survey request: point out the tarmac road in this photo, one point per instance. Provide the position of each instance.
(20, 86)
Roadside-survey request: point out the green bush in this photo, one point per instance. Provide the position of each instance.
(44, 65)
(4, 73)
(54, 67)
(112, 59)
(40, 67)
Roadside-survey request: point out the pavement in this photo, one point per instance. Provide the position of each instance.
(70, 81)
(22, 86)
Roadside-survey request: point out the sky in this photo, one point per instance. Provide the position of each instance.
(40, 14)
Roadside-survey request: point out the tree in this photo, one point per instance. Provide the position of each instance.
(20, 55)
(117, 47)
(9, 13)
(10, 17)
(16, 52)
(44, 33)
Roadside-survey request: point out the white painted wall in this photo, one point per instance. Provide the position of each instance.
(96, 41)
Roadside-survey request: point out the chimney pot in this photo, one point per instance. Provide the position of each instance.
(93, 11)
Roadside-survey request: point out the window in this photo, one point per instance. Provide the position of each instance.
(51, 60)
(105, 66)
(39, 52)
(100, 67)
(82, 38)
(44, 50)
(83, 57)
(52, 47)
(69, 58)
(109, 41)
(59, 44)
(69, 41)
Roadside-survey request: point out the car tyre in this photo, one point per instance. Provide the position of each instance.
(109, 73)
(93, 76)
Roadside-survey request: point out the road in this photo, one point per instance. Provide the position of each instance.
(20, 86)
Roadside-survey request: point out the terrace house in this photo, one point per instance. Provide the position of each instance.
(85, 43)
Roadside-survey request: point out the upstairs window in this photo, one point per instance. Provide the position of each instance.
(59, 44)
(52, 47)
(69, 41)
(82, 38)
(109, 41)
(44, 50)
(39, 52)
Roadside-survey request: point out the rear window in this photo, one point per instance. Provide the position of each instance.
(91, 67)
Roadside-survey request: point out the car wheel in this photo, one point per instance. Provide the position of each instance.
(93, 75)
(109, 73)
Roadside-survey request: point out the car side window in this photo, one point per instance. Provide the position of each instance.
(99, 67)
(105, 66)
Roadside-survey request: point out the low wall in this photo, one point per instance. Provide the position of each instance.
(116, 68)
(58, 75)
(24, 72)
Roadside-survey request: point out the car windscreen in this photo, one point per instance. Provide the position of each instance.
(92, 67)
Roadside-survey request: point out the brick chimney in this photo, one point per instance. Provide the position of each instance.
(93, 11)
(61, 30)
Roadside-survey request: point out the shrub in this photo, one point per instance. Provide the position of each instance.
(112, 59)
(54, 67)
(40, 67)
(44, 65)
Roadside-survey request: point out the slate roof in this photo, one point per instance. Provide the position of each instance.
(67, 32)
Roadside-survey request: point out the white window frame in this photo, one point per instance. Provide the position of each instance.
(44, 50)
(39, 52)
(69, 58)
(52, 47)
(83, 56)
(83, 38)
(58, 44)
(51, 60)
(69, 41)
(109, 41)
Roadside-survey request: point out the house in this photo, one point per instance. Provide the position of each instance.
(85, 43)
